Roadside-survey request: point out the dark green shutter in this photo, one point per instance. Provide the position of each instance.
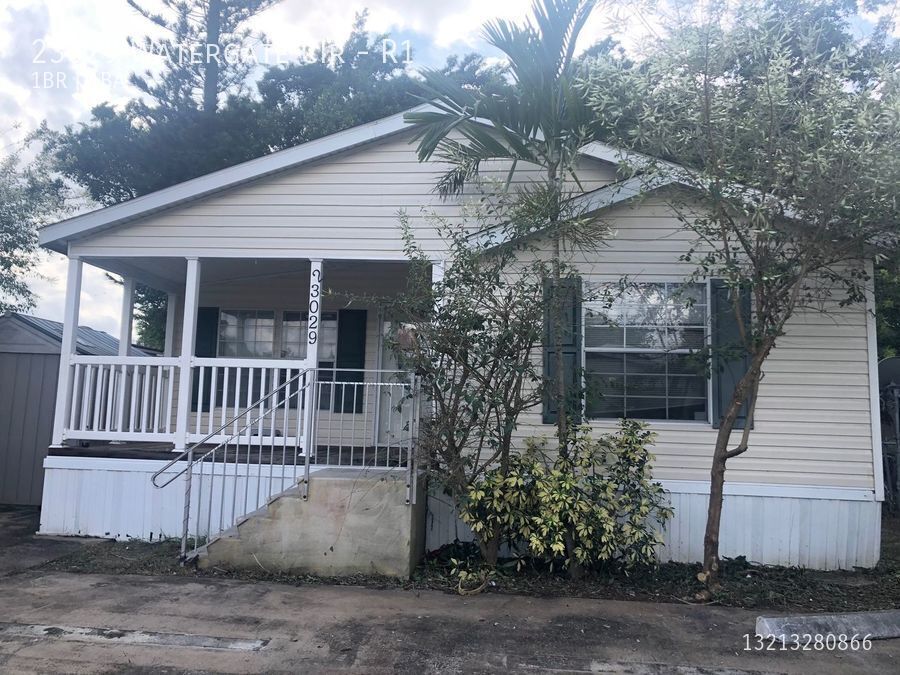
(730, 359)
(205, 344)
(351, 353)
(569, 296)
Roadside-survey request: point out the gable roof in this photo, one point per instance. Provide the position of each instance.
(89, 342)
(57, 235)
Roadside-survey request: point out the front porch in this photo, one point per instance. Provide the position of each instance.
(273, 370)
(238, 330)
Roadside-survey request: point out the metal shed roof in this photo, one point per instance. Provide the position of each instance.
(90, 342)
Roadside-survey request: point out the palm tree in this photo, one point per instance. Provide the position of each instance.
(542, 120)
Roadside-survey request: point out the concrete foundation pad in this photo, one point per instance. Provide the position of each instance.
(876, 625)
(355, 521)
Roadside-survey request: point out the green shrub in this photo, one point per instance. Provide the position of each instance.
(500, 506)
(595, 504)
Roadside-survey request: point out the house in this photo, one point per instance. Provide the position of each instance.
(268, 385)
(29, 362)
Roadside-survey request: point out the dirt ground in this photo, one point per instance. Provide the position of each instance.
(65, 622)
(20, 550)
(99, 607)
(744, 585)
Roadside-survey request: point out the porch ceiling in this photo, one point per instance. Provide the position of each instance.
(168, 274)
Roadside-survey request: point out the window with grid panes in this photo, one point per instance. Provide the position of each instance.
(640, 353)
(247, 333)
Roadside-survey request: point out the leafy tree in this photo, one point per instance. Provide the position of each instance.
(470, 337)
(203, 48)
(787, 131)
(29, 197)
(542, 120)
(303, 101)
(150, 145)
(887, 298)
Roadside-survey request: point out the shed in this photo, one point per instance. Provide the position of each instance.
(29, 368)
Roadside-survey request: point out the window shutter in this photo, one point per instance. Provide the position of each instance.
(205, 345)
(351, 353)
(570, 297)
(730, 360)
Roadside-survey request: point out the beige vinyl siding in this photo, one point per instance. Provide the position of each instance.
(344, 206)
(813, 423)
(813, 418)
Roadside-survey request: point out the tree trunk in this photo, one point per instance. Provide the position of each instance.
(562, 413)
(211, 61)
(490, 549)
(714, 510)
(745, 388)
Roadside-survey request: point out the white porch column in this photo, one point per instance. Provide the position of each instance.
(125, 328)
(67, 349)
(315, 312)
(188, 336)
(171, 305)
(311, 398)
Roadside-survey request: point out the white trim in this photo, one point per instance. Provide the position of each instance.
(874, 393)
(53, 236)
(127, 317)
(739, 489)
(130, 465)
(57, 235)
(188, 336)
(91, 359)
(67, 348)
(119, 254)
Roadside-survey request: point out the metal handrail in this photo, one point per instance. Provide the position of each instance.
(190, 451)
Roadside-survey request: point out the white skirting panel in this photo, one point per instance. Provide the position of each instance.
(817, 528)
(823, 534)
(114, 498)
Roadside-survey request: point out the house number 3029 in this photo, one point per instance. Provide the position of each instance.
(314, 296)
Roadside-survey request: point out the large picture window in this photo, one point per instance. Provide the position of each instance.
(640, 353)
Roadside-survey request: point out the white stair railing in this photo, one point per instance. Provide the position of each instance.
(256, 459)
(312, 419)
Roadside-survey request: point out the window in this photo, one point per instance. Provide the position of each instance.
(640, 357)
(294, 342)
(247, 333)
(294, 338)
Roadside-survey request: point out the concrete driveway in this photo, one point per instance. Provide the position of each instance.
(61, 622)
(20, 549)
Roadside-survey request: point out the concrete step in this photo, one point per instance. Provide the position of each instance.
(355, 521)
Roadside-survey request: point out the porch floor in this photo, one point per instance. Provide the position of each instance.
(381, 456)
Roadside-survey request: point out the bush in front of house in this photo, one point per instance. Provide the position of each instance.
(593, 505)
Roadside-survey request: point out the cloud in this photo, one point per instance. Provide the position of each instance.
(101, 300)
(43, 78)
(88, 41)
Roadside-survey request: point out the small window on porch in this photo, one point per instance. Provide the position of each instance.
(294, 337)
(247, 333)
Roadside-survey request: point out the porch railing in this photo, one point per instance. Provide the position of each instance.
(121, 398)
(135, 398)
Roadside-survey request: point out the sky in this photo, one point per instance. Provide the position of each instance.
(59, 58)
